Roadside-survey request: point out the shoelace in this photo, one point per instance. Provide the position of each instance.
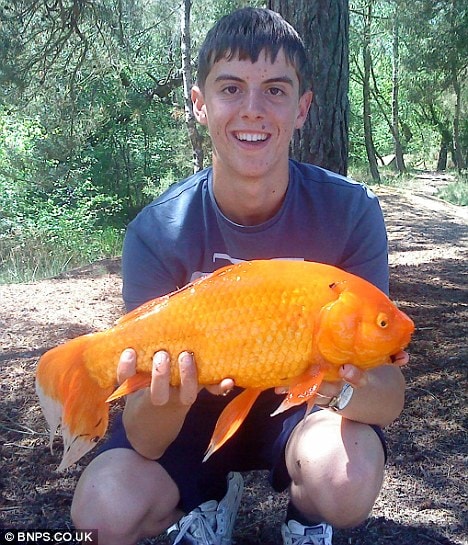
(313, 536)
(305, 540)
(199, 520)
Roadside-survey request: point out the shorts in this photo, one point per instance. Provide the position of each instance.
(260, 443)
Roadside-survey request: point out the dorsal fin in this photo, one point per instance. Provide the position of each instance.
(149, 306)
(143, 309)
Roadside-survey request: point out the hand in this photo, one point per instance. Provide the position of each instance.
(351, 374)
(327, 390)
(160, 391)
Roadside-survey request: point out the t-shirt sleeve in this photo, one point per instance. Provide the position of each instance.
(366, 251)
(144, 274)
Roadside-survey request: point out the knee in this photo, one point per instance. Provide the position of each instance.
(343, 497)
(98, 502)
(339, 481)
(352, 494)
(125, 497)
(92, 509)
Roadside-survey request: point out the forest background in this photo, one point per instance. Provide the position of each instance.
(94, 120)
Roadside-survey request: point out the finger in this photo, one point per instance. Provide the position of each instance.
(126, 367)
(353, 375)
(188, 378)
(160, 378)
(223, 388)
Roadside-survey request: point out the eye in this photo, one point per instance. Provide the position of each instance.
(275, 91)
(382, 320)
(231, 90)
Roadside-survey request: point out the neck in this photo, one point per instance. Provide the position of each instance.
(249, 201)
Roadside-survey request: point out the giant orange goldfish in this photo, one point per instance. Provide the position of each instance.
(262, 323)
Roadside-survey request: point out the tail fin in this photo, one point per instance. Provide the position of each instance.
(71, 398)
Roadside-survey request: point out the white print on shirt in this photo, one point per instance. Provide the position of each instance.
(234, 260)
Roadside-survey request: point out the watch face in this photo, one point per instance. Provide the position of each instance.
(345, 396)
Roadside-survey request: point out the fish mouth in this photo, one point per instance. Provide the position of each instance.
(397, 359)
(369, 361)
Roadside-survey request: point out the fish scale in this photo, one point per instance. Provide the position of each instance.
(219, 332)
(262, 323)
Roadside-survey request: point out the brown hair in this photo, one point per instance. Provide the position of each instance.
(245, 33)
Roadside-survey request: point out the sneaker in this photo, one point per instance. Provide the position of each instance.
(295, 533)
(211, 523)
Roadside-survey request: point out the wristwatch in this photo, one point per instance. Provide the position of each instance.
(340, 401)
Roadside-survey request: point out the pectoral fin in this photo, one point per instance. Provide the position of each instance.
(302, 390)
(132, 384)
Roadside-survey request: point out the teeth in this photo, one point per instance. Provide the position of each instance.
(250, 137)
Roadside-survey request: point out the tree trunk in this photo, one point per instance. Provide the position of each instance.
(443, 154)
(399, 159)
(195, 137)
(324, 27)
(456, 72)
(457, 150)
(366, 90)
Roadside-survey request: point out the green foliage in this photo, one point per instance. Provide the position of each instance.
(29, 255)
(389, 177)
(101, 90)
(92, 119)
(44, 232)
(456, 192)
(433, 67)
(91, 125)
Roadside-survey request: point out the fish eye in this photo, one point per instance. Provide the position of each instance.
(382, 320)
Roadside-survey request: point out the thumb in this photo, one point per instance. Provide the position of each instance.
(353, 375)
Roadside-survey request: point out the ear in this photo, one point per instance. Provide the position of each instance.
(199, 105)
(304, 104)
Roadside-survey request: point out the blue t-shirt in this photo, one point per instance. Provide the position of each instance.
(183, 234)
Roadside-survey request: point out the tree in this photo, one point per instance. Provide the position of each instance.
(366, 90)
(437, 56)
(195, 137)
(99, 78)
(324, 27)
(399, 159)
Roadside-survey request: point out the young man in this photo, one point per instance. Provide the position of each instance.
(252, 93)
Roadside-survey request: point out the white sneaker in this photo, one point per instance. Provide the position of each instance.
(211, 523)
(295, 533)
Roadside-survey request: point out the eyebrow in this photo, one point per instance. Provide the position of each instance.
(278, 79)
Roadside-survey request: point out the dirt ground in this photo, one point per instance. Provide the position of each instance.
(424, 497)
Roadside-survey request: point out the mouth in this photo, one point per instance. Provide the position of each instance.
(399, 359)
(251, 136)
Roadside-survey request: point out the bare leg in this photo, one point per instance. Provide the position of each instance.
(336, 466)
(125, 497)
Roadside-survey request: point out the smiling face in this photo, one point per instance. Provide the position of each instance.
(251, 110)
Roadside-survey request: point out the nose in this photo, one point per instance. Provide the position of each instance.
(253, 104)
